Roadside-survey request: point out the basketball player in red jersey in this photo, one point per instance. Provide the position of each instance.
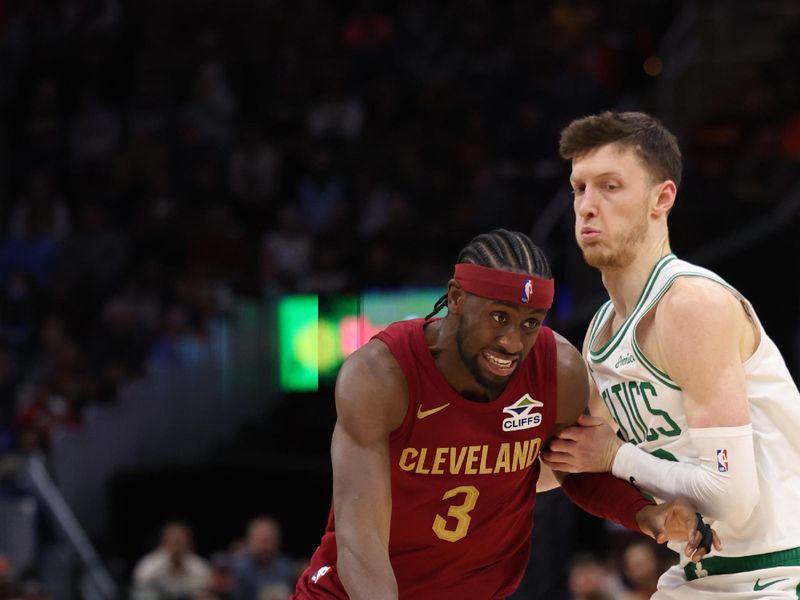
(435, 450)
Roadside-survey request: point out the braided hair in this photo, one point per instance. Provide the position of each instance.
(502, 249)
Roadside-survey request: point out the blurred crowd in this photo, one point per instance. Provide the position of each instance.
(255, 568)
(161, 159)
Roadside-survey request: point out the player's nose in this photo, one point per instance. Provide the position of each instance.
(511, 340)
(586, 204)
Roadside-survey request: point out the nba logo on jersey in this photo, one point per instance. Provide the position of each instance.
(722, 460)
(527, 290)
(320, 573)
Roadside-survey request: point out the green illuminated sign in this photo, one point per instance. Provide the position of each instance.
(316, 334)
(298, 343)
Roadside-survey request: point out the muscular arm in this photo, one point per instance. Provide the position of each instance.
(573, 393)
(703, 336)
(371, 401)
(591, 492)
(602, 494)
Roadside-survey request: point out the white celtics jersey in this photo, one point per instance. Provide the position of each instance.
(648, 407)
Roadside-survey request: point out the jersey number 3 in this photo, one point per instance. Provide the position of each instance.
(460, 512)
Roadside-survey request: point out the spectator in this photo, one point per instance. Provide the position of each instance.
(178, 343)
(18, 310)
(336, 114)
(253, 167)
(285, 252)
(33, 253)
(119, 348)
(262, 567)
(95, 254)
(590, 579)
(172, 571)
(641, 569)
(43, 200)
(321, 191)
(45, 411)
(211, 114)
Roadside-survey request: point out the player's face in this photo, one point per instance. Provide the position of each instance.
(494, 337)
(612, 192)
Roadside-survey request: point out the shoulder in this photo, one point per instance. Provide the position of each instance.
(198, 564)
(371, 365)
(573, 382)
(570, 362)
(697, 304)
(692, 294)
(371, 389)
(699, 323)
(149, 565)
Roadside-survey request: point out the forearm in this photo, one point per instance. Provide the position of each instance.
(365, 570)
(547, 480)
(606, 496)
(723, 488)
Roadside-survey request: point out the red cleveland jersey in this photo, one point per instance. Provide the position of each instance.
(463, 479)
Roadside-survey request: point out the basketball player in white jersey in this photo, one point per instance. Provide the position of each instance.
(701, 398)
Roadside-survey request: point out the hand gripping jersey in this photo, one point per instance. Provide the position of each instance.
(463, 478)
(648, 407)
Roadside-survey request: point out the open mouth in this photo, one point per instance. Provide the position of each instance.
(499, 365)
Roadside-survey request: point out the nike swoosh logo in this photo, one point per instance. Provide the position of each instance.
(421, 414)
(758, 587)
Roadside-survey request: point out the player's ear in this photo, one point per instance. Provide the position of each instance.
(665, 198)
(455, 297)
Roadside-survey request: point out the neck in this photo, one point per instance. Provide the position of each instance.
(624, 284)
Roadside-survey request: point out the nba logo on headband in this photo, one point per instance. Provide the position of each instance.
(498, 284)
(527, 290)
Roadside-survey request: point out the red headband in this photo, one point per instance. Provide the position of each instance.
(519, 288)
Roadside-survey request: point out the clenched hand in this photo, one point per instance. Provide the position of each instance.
(588, 447)
(676, 520)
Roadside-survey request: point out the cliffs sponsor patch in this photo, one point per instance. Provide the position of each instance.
(522, 415)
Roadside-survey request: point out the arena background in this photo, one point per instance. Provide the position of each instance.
(173, 170)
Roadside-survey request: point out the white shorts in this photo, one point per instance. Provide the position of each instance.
(776, 583)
